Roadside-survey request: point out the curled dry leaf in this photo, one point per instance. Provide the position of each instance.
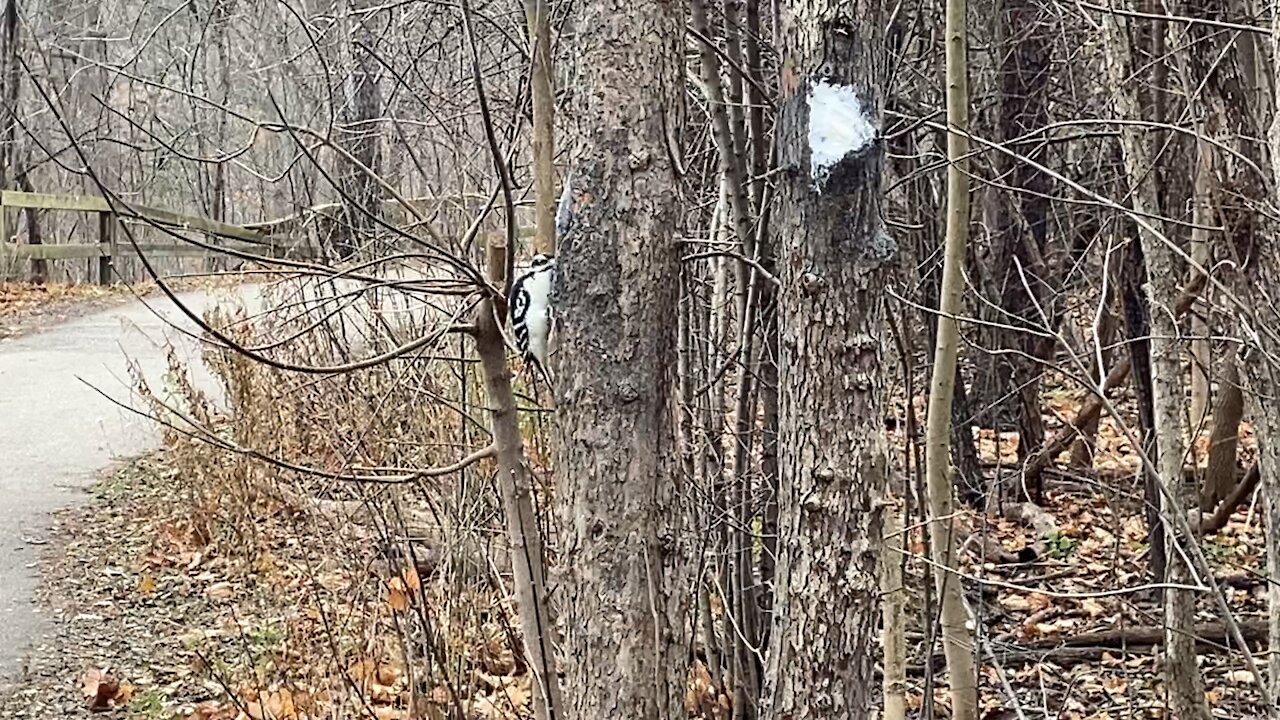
(220, 590)
(411, 579)
(265, 563)
(397, 595)
(103, 691)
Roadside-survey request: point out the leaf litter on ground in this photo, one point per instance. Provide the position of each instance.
(154, 616)
(153, 619)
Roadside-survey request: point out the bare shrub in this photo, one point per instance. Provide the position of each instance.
(384, 578)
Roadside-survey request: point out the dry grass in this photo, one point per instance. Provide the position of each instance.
(382, 598)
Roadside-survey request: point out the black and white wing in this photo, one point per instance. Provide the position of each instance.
(518, 307)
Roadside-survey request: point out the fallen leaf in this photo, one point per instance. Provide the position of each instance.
(1115, 685)
(411, 579)
(279, 705)
(1093, 607)
(266, 563)
(397, 598)
(380, 693)
(520, 694)
(220, 590)
(1032, 602)
(1241, 677)
(361, 671)
(147, 585)
(100, 689)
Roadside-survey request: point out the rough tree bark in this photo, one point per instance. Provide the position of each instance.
(1260, 287)
(361, 135)
(624, 587)
(1137, 320)
(11, 79)
(832, 252)
(1186, 688)
(1017, 281)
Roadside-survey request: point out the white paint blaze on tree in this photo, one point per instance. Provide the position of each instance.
(832, 252)
(838, 127)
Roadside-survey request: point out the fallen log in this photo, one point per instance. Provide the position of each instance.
(1209, 633)
(1243, 489)
(1086, 647)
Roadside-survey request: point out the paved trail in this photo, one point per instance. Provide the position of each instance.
(57, 432)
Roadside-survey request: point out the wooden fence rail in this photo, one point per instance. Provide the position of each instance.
(273, 238)
(108, 247)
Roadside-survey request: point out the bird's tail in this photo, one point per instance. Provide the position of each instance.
(536, 371)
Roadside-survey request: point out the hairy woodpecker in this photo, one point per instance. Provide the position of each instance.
(531, 313)
(530, 303)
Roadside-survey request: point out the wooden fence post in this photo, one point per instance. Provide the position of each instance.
(107, 238)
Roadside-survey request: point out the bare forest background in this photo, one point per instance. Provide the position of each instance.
(976, 418)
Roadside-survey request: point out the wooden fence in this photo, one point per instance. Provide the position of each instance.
(284, 237)
(111, 246)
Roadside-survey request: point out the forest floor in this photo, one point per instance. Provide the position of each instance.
(156, 613)
(153, 621)
(1074, 633)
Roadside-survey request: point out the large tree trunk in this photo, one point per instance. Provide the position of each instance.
(831, 451)
(1017, 282)
(625, 586)
(1186, 688)
(1260, 287)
